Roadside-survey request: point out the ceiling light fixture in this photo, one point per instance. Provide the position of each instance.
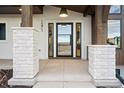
(63, 12)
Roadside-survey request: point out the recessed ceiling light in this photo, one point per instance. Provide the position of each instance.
(20, 9)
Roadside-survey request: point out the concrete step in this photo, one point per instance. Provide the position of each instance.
(62, 78)
(63, 85)
(115, 83)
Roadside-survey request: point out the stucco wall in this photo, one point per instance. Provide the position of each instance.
(50, 14)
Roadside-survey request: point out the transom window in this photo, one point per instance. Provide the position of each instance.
(115, 9)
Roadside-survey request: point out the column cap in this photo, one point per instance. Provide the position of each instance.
(24, 28)
(105, 46)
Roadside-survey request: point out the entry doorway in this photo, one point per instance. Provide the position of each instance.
(64, 39)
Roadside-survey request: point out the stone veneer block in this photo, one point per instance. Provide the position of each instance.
(102, 64)
(102, 61)
(25, 82)
(25, 52)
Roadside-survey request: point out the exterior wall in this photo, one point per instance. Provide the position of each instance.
(87, 37)
(50, 15)
(6, 46)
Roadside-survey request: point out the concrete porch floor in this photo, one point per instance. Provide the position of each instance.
(59, 73)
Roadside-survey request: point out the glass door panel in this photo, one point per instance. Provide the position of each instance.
(64, 39)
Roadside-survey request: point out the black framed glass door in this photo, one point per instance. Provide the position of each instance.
(64, 39)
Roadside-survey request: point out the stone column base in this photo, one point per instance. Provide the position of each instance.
(22, 82)
(107, 83)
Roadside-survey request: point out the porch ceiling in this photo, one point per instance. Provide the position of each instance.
(14, 9)
(38, 9)
(86, 9)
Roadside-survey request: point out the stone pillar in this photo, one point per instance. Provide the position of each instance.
(25, 56)
(102, 65)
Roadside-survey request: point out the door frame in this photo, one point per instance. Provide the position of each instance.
(71, 23)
